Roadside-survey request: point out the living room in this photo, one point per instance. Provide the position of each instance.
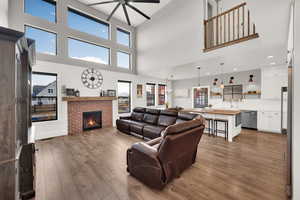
(112, 81)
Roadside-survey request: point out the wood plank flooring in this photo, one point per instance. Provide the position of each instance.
(92, 166)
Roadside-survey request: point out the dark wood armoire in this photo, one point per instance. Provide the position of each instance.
(17, 56)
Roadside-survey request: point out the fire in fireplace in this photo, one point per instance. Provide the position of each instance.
(91, 120)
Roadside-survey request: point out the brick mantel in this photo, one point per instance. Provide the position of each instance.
(76, 108)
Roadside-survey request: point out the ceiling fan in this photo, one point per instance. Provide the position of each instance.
(125, 3)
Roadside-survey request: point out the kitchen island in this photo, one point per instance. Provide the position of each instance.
(233, 117)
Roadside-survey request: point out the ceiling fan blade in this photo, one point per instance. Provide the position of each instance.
(104, 2)
(138, 11)
(144, 1)
(113, 12)
(126, 14)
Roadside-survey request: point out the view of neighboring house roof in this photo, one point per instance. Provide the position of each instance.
(37, 89)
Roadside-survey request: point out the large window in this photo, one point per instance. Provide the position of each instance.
(150, 90)
(45, 9)
(123, 60)
(87, 24)
(88, 52)
(44, 97)
(45, 41)
(124, 97)
(233, 93)
(123, 37)
(161, 94)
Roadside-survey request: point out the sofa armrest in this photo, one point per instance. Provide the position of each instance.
(143, 164)
(154, 141)
(145, 149)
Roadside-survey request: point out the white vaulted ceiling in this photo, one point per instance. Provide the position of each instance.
(136, 19)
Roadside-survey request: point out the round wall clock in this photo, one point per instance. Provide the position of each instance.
(91, 78)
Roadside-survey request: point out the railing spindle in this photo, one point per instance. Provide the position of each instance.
(248, 22)
(238, 28)
(217, 31)
(243, 21)
(233, 25)
(228, 26)
(224, 28)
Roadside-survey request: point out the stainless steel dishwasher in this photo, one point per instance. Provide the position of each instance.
(249, 119)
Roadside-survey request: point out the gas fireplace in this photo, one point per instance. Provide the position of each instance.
(91, 120)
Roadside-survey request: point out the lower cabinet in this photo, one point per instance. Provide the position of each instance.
(269, 121)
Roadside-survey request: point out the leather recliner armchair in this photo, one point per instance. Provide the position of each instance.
(158, 161)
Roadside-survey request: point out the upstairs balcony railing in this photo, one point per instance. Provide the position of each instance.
(228, 28)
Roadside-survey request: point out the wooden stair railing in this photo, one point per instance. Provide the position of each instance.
(228, 28)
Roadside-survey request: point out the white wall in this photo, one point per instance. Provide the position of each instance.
(70, 76)
(4, 13)
(296, 108)
(172, 37)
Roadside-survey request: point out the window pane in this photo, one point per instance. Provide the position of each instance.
(45, 42)
(124, 97)
(161, 94)
(123, 37)
(200, 97)
(150, 89)
(87, 24)
(45, 9)
(123, 60)
(88, 52)
(44, 97)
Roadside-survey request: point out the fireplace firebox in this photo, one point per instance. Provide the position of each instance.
(91, 120)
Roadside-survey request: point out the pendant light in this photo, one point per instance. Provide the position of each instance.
(222, 82)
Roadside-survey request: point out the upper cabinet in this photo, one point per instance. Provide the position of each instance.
(273, 79)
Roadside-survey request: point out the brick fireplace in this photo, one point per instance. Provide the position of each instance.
(77, 106)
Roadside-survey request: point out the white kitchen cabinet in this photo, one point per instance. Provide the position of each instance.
(272, 80)
(269, 121)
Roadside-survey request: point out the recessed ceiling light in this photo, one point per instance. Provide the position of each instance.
(270, 57)
(273, 63)
(207, 73)
(235, 69)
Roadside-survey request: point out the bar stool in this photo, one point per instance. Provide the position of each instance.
(210, 128)
(225, 131)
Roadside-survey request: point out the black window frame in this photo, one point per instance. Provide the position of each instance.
(159, 95)
(56, 108)
(82, 14)
(48, 1)
(41, 29)
(154, 96)
(126, 32)
(203, 97)
(130, 95)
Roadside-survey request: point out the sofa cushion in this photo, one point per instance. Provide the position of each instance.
(153, 111)
(139, 110)
(152, 132)
(136, 116)
(169, 113)
(150, 119)
(187, 116)
(165, 120)
(137, 127)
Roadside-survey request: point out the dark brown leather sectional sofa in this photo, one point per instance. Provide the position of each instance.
(149, 123)
(159, 161)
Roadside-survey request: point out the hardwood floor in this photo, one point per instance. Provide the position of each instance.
(92, 166)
